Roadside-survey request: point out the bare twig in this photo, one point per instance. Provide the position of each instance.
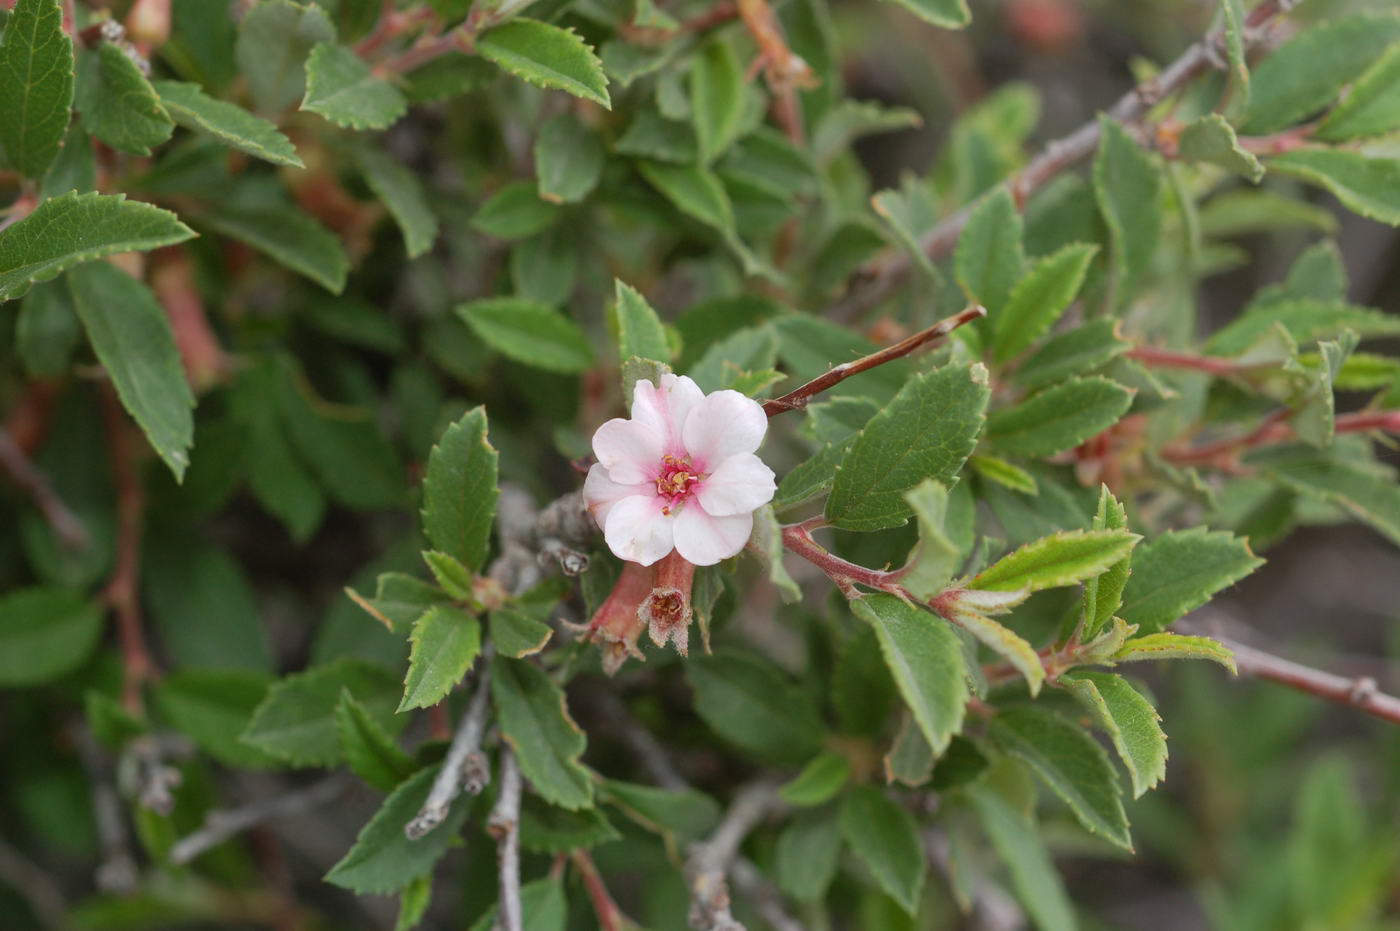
(993, 908)
(641, 742)
(610, 917)
(879, 278)
(117, 872)
(465, 766)
(35, 886)
(801, 396)
(36, 485)
(504, 825)
(765, 896)
(711, 860)
(219, 826)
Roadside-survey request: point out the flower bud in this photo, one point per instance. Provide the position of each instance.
(618, 622)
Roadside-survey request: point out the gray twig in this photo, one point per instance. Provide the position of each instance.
(36, 485)
(117, 872)
(710, 860)
(504, 825)
(219, 826)
(765, 896)
(37, 887)
(465, 766)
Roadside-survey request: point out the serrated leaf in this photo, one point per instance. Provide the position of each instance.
(694, 191)
(274, 40)
(1040, 297)
(936, 558)
(1129, 720)
(73, 228)
(767, 544)
(945, 14)
(1371, 498)
(1004, 473)
(885, 838)
(1305, 74)
(1061, 559)
(1072, 352)
(1305, 320)
(45, 633)
(459, 491)
(750, 351)
(911, 212)
(212, 707)
(515, 212)
(1166, 645)
(1033, 875)
(288, 236)
(534, 720)
(808, 853)
(548, 829)
(926, 659)
(752, 703)
(518, 635)
(639, 330)
(848, 120)
(1059, 418)
(1211, 139)
(117, 104)
(1104, 593)
(403, 195)
(529, 333)
(989, 259)
(547, 56)
(369, 752)
(716, 98)
(1071, 763)
(47, 330)
(927, 431)
(909, 759)
(446, 641)
(1128, 188)
(229, 123)
(296, 720)
(682, 814)
(820, 780)
(569, 159)
(340, 87)
(1371, 107)
(1179, 571)
(36, 86)
(1232, 12)
(1365, 185)
(130, 333)
(1001, 640)
(383, 859)
(811, 477)
(542, 907)
(414, 900)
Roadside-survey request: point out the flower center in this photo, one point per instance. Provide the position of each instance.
(675, 481)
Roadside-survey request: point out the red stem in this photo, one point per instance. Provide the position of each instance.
(1274, 430)
(1172, 359)
(610, 917)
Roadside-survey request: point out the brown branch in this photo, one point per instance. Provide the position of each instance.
(880, 277)
(800, 397)
(219, 826)
(610, 917)
(35, 484)
(711, 859)
(504, 825)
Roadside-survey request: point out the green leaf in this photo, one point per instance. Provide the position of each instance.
(1128, 719)
(1175, 646)
(716, 98)
(1054, 561)
(529, 333)
(274, 40)
(885, 838)
(36, 87)
(414, 900)
(936, 558)
(117, 104)
(1305, 73)
(1365, 185)
(766, 543)
(296, 721)
(1128, 187)
(47, 331)
(911, 212)
(1211, 139)
(1059, 418)
(1071, 763)
(1181, 570)
(546, 56)
(74, 228)
(1033, 874)
(515, 212)
(230, 124)
(544, 268)
(926, 659)
(534, 720)
(1232, 11)
(909, 759)
(446, 641)
(812, 477)
(1072, 352)
(695, 192)
(518, 635)
(945, 14)
(990, 259)
(1104, 593)
(384, 859)
(999, 639)
(684, 814)
(1305, 319)
(459, 491)
(45, 633)
(743, 352)
(75, 168)
(186, 577)
(1371, 107)
(542, 906)
(340, 87)
(1004, 473)
(808, 854)
(369, 752)
(1367, 495)
(568, 159)
(927, 431)
(289, 237)
(212, 707)
(547, 829)
(403, 195)
(819, 781)
(639, 329)
(752, 703)
(400, 599)
(130, 332)
(1040, 298)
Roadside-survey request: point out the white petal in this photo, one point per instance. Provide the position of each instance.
(637, 530)
(665, 408)
(705, 540)
(724, 424)
(600, 492)
(629, 450)
(740, 484)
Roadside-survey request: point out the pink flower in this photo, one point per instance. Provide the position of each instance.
(680, 474)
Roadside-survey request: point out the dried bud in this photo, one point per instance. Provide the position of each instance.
(667, 609)
(617, 623)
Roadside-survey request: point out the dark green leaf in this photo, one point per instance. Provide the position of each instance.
(531, 333)
(274, 40)
(1040, 298)
(990, 260)
(751, 702)
(1128, 186)
(885, 838)
(189, 106)
(1179, 571)
(515, 212)
(117, 104)
(369, 752)
(402, 194)
(1073, 352)
(1372, 106)
(568, 159)
(1366, 185)
(1059, 418)
(547, 829)
(212, 707)
(36, 86)
(1033, 874)
(819, 780)
(45, 633)
(446, 641)
(1129, 720)
(534, 720)
(459, 491)
(808, 854)
(639, 329)
(716, 97)
(296, 721)
(340, 87)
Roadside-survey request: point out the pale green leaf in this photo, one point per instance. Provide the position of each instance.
(808, 853)
(1165, 645)
(369, 752)
(694, 191)
(274, 40)
(529, 333)
(229, 123)
(936, 558)
(1004, 473)
(945, 14)
(36, 86)
(1305, 320)
(1128, 187)
(1128, 719)
(446, 641)
(989, 259)
(1365, 185)
(1104, 593)
(1059, 418)
(639, 330)
(534, 720)
(569, 159)
(1232, 11)
(1061, 559)
(716, 98)
(1010, 646)
(414, 900)
(767, 544)
(212, 707)
(340, 87)
(402, 193)
(547, 56)
(1039, 298)
(459, 491)
(296, 720)
(117, 104)
(1211, 139)
(749, 701)
(1181, 570)
(289, 237)
(818, 782)
(1073, 352)
(548, 829)
(1370, 497)
(1371, 107)
(885, 838)
(911, 212)
(1033, 875)
(44, 634)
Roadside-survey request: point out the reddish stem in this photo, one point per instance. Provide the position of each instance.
(610, 917)
(1172, 359)
(1274, 430)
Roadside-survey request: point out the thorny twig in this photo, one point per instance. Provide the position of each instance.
(465, 766)
(34, 483)
(219, 826)
(711, 859)
(504, 825)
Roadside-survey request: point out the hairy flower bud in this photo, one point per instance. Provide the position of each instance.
(667, 609)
